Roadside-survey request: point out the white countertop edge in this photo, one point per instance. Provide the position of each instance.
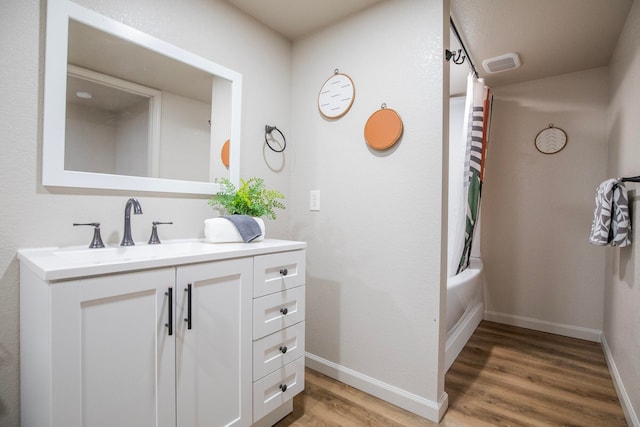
(48, 267)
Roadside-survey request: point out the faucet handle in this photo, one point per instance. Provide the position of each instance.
(154, 240)
(96, 242)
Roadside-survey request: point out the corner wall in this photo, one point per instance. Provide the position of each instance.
(622, 286)
(33, 216)
(540, 270)
(375, 269)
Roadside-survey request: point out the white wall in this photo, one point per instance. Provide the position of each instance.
(103, 141)
(132, 140)
(375, 268)
(537, 209)
(34, 216)
(622, 288)
(185, 139)
(90, 142)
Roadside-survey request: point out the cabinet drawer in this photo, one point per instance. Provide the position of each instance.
(274, 312)
(275, 389)
(277, 272)
(276, 350)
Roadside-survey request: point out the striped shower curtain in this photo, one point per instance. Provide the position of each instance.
(475, 130)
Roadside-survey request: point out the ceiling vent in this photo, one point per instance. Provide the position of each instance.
(509, 61)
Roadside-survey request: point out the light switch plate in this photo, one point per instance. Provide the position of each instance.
(314, 200)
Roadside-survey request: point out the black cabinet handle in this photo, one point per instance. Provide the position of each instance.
(283, 387)
(284, 272)
(188, 319)
(283, 349)
(169, 324)
(284, 311)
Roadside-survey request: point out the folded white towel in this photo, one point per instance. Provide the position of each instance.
(221, 230)
(611, 222)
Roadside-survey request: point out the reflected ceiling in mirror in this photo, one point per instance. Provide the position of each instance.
(124, 110)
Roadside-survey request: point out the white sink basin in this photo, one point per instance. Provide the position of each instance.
(118, 254)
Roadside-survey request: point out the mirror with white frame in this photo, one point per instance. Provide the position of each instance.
(127, 111)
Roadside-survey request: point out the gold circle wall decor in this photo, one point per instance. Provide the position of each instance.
(336, 96)
(551, 140)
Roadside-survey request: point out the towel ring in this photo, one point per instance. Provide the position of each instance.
(267, 132)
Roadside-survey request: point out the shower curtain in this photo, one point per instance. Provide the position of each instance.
(475, 133)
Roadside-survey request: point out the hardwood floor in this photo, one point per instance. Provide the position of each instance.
(513, 376)
(505, 376)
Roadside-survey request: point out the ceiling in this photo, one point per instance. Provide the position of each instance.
(551, 37)
(296, 18)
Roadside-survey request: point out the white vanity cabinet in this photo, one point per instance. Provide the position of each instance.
(172, 345)
(278, 333)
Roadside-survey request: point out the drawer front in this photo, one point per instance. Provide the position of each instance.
(278, 387)
(276, 272)
(274, 312)
(274, 351)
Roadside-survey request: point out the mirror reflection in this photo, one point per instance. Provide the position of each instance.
(124, 110)
(131, 111)
(108, 129)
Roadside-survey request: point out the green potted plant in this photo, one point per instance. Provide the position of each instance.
(251, 199)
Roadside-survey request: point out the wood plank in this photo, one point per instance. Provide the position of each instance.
(330, 403)
(505, 376)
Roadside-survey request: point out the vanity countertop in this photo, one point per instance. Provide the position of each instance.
(60, 263)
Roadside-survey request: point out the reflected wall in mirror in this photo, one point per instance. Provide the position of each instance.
(124, 110)
(111, 125)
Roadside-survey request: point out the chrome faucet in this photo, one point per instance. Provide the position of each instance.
(137, 210)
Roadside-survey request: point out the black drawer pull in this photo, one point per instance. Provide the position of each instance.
(283, 387)
(283, 349)
(284, 311)
(284, 272)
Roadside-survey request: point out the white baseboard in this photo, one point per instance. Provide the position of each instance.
(623, 396)
(433, 411)
(545, 326)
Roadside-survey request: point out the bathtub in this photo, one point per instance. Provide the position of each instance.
(465, 308)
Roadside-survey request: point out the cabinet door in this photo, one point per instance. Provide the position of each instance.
(213, 357)
(113, 361)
